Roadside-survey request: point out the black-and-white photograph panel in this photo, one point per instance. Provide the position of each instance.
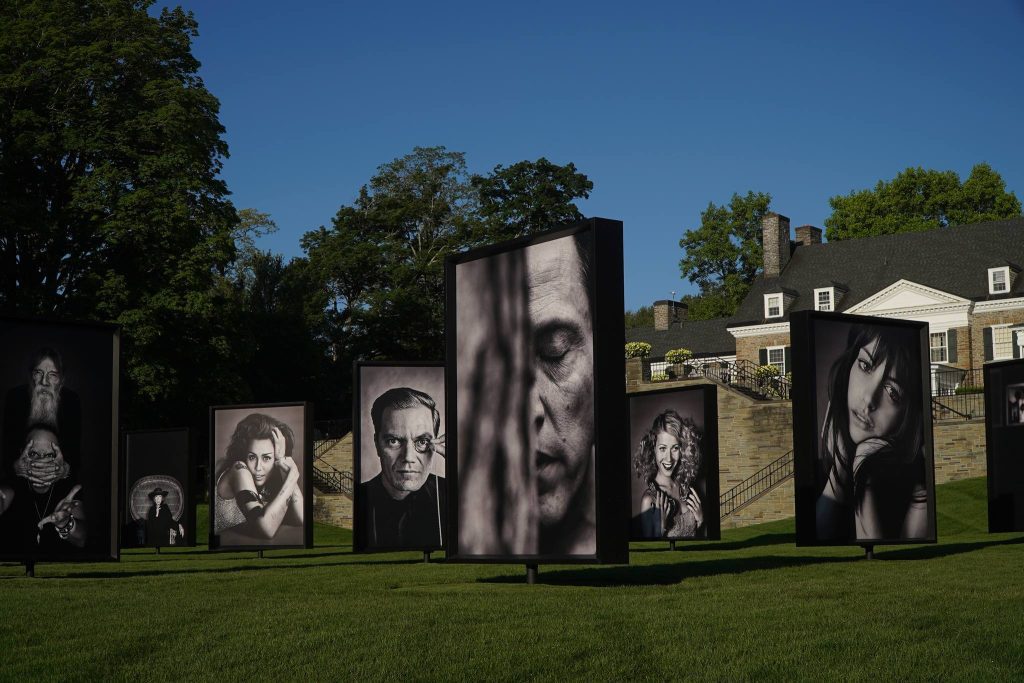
(674, 451)
(536, 399)
(1004, 445)
(159, 511)
(58, 480)
(1014, 403)
(261, 488)
(398, 419)
(862, 435)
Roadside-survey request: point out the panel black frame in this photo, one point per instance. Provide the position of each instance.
(805, 430)
(713, 520)
(611, 449)
(190, 503)
(113, 476)
(307, 473)
(359, 544)
(1004, 466)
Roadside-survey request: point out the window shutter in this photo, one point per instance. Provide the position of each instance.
(951, 345)
(789, 360)
(988, 342)
(762, 356)
(1016, 344)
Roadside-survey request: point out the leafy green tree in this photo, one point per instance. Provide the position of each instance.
(919, 199)
(110, 202)
(724, 254)
(641, 317)
(529, 196)
(382, 261)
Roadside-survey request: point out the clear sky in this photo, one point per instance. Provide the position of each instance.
(665, 106)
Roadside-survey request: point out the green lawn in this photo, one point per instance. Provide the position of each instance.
(750, 606)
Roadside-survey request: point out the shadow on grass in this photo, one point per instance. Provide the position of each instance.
(216, 570)
(676, 572)
(701, 545)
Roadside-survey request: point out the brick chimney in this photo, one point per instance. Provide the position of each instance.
(776, 243)
(668, 312)
(808, 235)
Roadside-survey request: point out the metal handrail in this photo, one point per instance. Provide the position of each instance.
(756, 485)
(333, 480)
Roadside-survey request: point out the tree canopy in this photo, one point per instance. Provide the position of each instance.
(529, 196)
(110, 200)
(918, 199)
(724, 255)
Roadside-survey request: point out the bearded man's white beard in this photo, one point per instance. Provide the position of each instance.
(44, 408)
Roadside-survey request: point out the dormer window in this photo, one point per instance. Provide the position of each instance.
(999, 280)
(773, 305)
(825, 299)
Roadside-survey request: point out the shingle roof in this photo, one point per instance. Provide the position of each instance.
(702, 337)
(954, 260)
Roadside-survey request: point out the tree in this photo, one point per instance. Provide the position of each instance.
(641, 317)
(529, 196)
(110, 202)
(382, 261)
(918, 199)
(724, 254)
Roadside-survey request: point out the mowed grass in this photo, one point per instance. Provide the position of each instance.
(752, 606)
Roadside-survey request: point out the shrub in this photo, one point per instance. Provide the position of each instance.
(676, 356)
(968, 389)
(638, 350)
(659, 376)
(767, 371)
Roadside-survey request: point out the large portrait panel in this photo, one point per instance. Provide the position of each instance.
(398, 435)
(862, 430)
(674, 464)
(58, 480)
(536, 401)
(261, 459)
(1004, 444)
(158, 507)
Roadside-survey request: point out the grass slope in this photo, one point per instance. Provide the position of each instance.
(750, 606)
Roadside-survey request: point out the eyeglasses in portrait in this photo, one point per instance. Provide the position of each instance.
(58, 495)
(674, 452)
(536, 401)
(862, 430)
(159, 511)
(398, 431)
(1004, 444)
(261, 490)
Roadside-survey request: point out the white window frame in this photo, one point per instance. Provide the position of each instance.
(831, 291)
(932, 348)
(781, 364)
(1005, 326)
(768, 306)
(1005, 272)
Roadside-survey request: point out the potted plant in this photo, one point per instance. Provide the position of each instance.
(680, 357)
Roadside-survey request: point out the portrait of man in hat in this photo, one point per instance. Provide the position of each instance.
(161, 527)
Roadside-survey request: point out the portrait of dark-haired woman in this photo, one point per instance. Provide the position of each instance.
(871, 463)
(258, 491)
(668, 459)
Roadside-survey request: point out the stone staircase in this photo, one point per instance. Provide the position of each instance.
(335, 508)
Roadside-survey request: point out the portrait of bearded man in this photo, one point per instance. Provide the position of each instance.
(44, 400)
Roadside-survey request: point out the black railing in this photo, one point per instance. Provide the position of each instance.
(742, 375)
(756, 485)
(957, 394)
(320, 448)
(332, 480)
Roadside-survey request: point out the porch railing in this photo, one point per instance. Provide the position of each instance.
(739, 374)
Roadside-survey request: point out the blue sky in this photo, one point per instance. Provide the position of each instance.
(665, 106)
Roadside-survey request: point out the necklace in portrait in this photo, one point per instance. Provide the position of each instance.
(39, 515)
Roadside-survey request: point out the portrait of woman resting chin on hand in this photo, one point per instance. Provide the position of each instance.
(258, 492)
(871, 456)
